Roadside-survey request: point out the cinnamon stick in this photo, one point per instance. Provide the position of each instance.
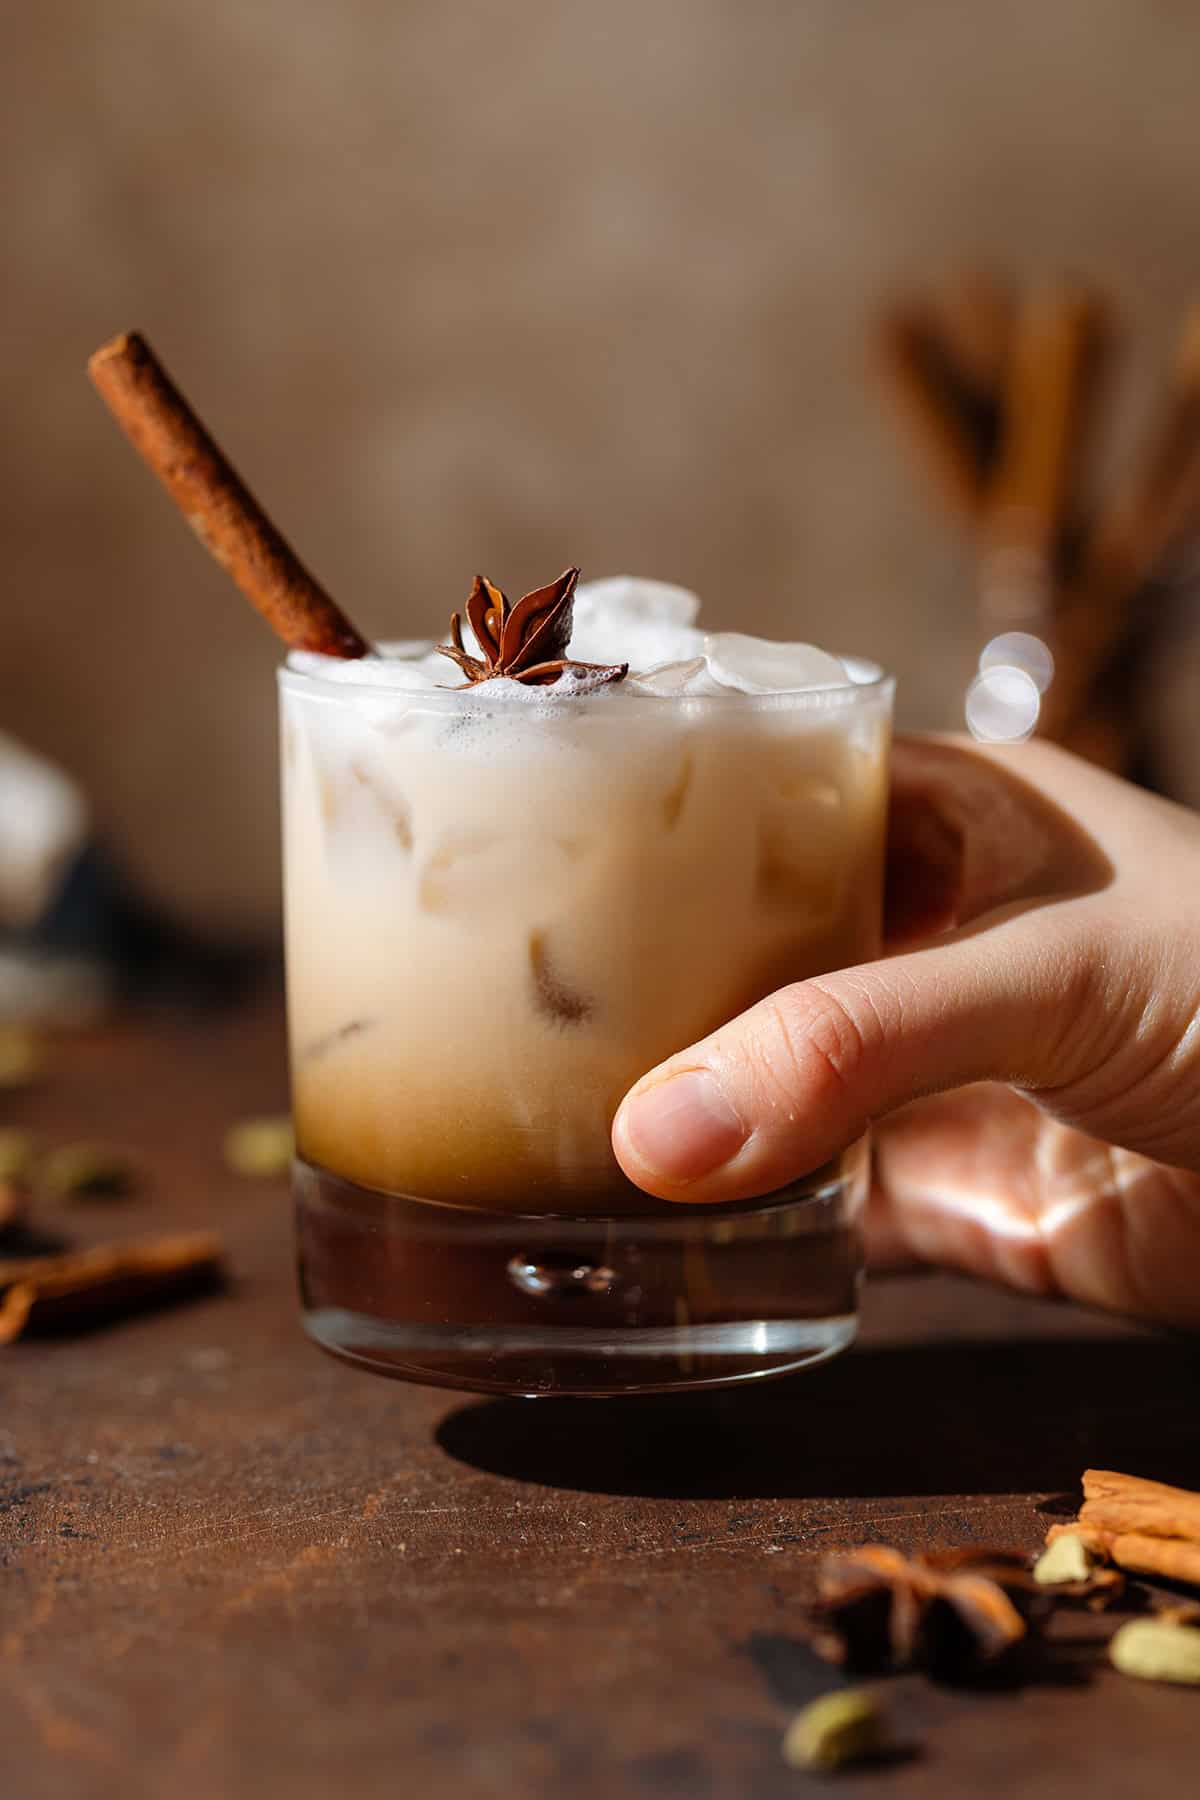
(1052, 380)
(1176, 1559)
(976, 313)
(950, 428)
(1145, 1527)
(1155, 508)
(1128, 1503)
(215, 501)
(83, 1287)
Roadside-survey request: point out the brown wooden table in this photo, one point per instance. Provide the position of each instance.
(231, 1567)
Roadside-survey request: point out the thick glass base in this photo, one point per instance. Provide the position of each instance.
(536, 1305)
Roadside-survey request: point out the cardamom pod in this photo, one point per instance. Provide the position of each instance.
(1067, 1559)
(87, 1172)
(261, 1147)
(1157, 1650)
(840, 1728)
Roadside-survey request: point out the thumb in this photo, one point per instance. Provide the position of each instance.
(793, 1081)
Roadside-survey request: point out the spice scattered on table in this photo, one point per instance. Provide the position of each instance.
(261, 1147)
(1074, 1571)
(88, 1171)
(837, 1730)
(85, 1287)
(1067, 1559)
(1157, 1650)
(960, 1614)
(1145, 1527)
(956, 1612)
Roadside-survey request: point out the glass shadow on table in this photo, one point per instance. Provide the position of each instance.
(938, 1418)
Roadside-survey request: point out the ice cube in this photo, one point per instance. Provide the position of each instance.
(553, 996)
(643, 623)
(328, 1041)
(676, 794)
(471, 862)
(450, 880)
(675, 678)
(364, 811)
(636, 598)
(382, 794)
(758, 666)
(803, 852)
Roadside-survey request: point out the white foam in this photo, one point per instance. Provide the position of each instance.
(648, 624)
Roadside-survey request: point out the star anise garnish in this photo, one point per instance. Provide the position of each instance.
(526, 642)
(955, 1613)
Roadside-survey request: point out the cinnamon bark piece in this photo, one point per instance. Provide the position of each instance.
(84, 1287)
(1145, 1527)
(216, 502)
(1177, 1559)
(1090, 1536)
(1122, 1504)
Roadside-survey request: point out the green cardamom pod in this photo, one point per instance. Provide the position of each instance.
(840, 1728)
(1067, 1559)
(260, 1147)
(1157, 1650)
(87, 1172)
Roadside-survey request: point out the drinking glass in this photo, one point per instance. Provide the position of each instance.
(499, 914)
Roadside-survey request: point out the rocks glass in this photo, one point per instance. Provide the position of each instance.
(501, 910)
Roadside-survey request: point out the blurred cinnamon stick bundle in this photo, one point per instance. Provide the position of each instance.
(999, 398)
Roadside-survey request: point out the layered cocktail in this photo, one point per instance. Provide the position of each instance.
(506, 901)
(523, 867)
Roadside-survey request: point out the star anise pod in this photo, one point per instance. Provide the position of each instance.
(957, 1612)
(526, 642)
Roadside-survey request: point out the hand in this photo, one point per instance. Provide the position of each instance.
(1044, 924)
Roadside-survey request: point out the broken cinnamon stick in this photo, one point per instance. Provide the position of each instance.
(84, 1287)
(216, 502)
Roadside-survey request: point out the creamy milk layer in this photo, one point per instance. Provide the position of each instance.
(505, 904)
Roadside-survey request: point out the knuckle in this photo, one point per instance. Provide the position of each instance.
(811, 1044)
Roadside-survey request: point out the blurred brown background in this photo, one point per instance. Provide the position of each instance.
(473, 286)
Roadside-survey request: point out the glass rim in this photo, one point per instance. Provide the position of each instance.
(876, 684)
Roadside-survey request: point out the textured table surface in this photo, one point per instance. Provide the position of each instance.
(230, 1567)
